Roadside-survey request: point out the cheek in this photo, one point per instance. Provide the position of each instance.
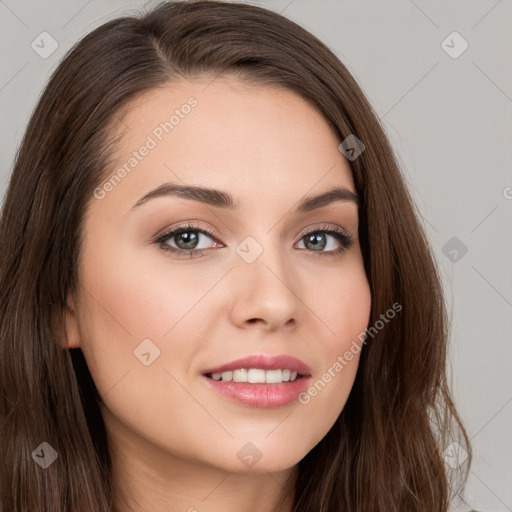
(344, 308)
(343, 303)
(127, 299)
(137, 298)
(119, 309)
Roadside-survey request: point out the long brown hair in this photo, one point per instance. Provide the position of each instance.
(384, 453)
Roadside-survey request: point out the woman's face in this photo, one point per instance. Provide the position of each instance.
(271, 280)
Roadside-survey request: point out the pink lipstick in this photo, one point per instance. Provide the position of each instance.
(260, 381)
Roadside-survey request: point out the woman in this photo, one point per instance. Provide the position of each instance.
(216, 291)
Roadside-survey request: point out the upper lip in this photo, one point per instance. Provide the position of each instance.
(264, 363)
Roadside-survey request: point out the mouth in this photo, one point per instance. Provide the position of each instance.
(260, 381)
(256, 376)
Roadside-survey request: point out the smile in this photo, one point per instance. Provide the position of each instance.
(256, 376)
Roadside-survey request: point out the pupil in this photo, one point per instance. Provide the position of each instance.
(318, 240)
(187, 237)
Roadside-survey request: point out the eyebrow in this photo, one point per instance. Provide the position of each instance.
(222, 199)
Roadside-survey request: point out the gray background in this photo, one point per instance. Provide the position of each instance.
(450, 122)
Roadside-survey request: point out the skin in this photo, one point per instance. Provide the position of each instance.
(174, 440)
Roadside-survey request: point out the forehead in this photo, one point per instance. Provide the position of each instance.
(223, 105)
(226, 134)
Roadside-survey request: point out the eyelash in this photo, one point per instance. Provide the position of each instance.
(345, 240)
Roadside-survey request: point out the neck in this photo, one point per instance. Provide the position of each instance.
(148, 479)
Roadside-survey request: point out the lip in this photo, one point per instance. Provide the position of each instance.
(264, 396)
(264, 363)
(261, 395)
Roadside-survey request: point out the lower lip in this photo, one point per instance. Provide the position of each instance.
(266, 396)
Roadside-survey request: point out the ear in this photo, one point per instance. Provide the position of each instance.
(71, 323)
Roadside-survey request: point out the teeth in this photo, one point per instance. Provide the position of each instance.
(227, 376)
(240, 375)
(256, 376)
(273, 376)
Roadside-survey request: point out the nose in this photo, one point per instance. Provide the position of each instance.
(266, 294)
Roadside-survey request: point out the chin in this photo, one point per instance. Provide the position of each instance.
(248, 458)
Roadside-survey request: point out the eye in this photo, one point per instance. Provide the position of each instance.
(188, 240)
(327, 239)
